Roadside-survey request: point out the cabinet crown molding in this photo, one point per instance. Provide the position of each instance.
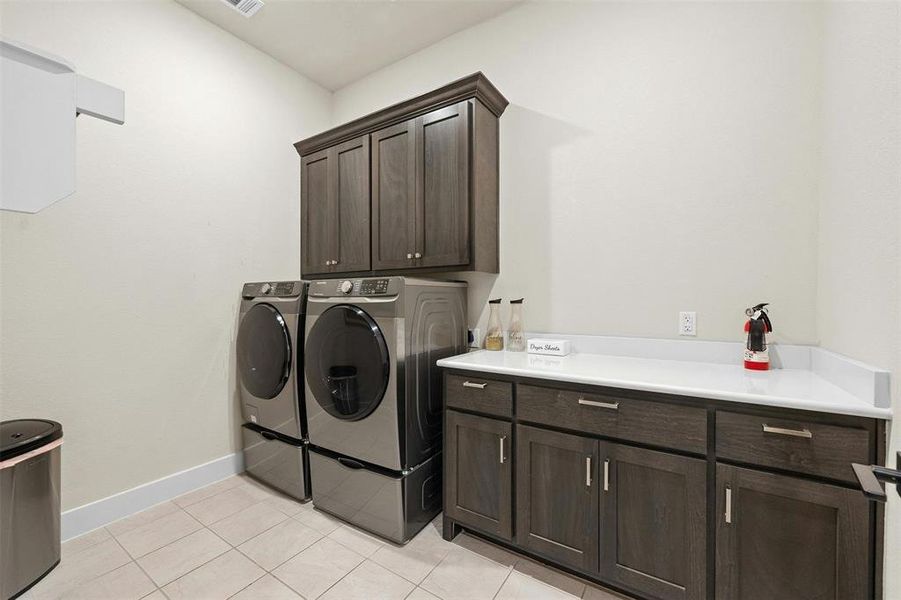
(472, 86)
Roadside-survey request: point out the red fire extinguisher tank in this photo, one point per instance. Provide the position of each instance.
(757, 357)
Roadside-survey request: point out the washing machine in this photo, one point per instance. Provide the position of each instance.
(373, 397)
(269, 350)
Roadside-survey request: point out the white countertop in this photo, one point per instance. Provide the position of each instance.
(786, 388)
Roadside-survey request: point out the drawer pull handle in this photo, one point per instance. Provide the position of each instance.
(587, 471)
(729, 505)
(607, 475)
(501, 445)
(801, 433)
(609, 405)
(478, 386)
(350, 464)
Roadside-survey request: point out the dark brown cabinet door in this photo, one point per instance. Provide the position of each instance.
(557, 496)
(351, 211)
(442, 186)
(785, 538)
(334, 198)
(394, 196)
(316, 209)
(653, 522)
(478, 476)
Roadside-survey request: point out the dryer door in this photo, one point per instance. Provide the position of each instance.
(346, 362)
(264, 351)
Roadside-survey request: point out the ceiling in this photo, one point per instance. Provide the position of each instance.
(336, 42)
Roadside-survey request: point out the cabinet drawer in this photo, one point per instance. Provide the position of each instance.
(791, 444)
(646, 422)
(479, 394)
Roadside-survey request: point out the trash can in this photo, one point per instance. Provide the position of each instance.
(29, 502)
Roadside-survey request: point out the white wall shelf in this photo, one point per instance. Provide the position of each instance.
(40, 97)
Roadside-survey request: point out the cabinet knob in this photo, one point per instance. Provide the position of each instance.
(334, 262)
(409, 256)
(417, 255)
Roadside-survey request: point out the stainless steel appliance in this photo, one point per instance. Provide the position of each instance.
(373, 397)
(29, 503)
(270, 356)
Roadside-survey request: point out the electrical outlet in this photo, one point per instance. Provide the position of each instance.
(476, 335)
(687, 323)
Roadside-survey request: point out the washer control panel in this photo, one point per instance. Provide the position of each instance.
(377, 286)
(275, 289)
(374, 287)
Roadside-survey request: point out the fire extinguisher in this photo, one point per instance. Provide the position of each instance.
(757, 356)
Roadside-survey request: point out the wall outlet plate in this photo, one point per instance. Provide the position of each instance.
(688, 323)
(475, 335)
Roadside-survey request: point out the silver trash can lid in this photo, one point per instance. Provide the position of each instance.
(24, 435)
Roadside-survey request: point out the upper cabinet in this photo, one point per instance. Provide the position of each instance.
(442, 186)
(393, 196)
(413, 187)
(420, 191)
(334, 191)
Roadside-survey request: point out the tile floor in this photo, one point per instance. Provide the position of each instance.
(238, 539)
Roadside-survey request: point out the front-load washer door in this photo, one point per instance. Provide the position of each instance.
(264, 368)
(348, 368)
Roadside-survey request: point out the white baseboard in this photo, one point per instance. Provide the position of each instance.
(88, 517)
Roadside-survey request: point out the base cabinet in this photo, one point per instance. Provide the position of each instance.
(636, 517)
(785, 538)
(596, 484)
(478, 473)
(653, 522)
(557, 496)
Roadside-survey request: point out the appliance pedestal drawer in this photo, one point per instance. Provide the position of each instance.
(276, 461)
(390, 504)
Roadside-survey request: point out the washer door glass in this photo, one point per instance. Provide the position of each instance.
(346, 362)
(264, 351)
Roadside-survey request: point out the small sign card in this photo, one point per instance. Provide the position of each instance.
(553, 347)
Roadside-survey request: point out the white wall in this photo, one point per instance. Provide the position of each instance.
(119, 303)
(859, 276)
(659, 157)
(723, 153)
(655, 157)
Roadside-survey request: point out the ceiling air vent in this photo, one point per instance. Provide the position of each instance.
(248, 8)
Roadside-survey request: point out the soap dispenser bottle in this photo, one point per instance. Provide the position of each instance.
(494, 338)
(516, 338)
